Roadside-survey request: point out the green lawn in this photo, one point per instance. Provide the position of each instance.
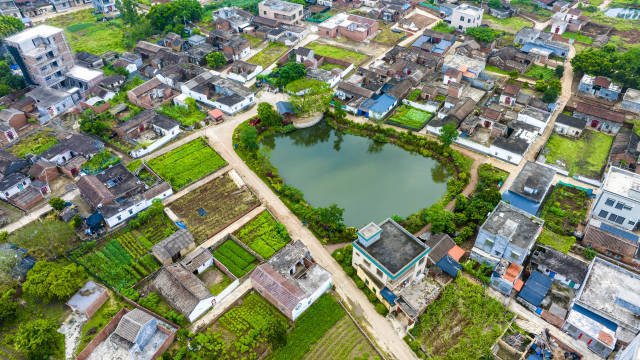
(496, 70)
(187, 163)
(327, 66)
(443, 27)
(558, 242)
(253, 40)
(617, 23)
(268, 55)
(586, 156)
(578, 37)
(85, 33)
(388, 37)
(36, 143)
(564, 209)
(513, 23)
(182, 114)
(337, 53)
(540, 72)
(410, 117)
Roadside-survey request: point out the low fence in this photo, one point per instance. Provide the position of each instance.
(102, 335)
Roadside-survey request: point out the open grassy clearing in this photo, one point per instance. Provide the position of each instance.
(412, 118)
(559, 242)
(514, 24)
(540, 72)
(264, 235)
(578, 37)
(617, 23)
(343, 341)
(495, 69)
(329, 67)
(586, 156)
(337, 53)
(35, 143)
(85, 33)
(182, 114)
(268, 55)
(253, 40)
(187, 163)
(388, 37)
(564, 209)
(462, 323)
(212, 206)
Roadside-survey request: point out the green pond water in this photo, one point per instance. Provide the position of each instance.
(371, 181)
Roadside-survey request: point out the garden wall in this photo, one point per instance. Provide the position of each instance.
(167, 342)
(102, 335)
(564, 172)
(228, 290)
(424, 107)
(136, 153)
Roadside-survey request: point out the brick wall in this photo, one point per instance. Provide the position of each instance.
(102, 335)
(165, 345)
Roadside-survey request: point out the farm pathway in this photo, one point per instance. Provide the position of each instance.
(233, 227)
(222, 306)
(385, 336)
(33, 215)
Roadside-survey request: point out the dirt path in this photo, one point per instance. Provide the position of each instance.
(34, 214)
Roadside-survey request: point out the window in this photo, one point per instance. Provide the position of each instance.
(119, 217)
(366, 281)
(631, 222)
(378, 272)
(468, 20)
(619, 205)
(612, 217)
(603, 214)
(130, 212)
(626, 207)
(609, 202)
(265, 12)
(461, 18)
(619, 220)
(617, 256)
(608, 253)
(515, 255)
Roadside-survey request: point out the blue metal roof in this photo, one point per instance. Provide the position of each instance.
(520, 202)
(593, 316)
(619, 232)
(528, 46)
(389, 296)
(94, 220)
(284, 107)
(383, 103)
(421, 40)
(181, 225)
(536, 288)
(448, 265)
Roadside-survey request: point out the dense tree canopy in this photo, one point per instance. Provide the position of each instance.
(289, 72)
(484, 34)
(216, 59)
(39, 338)
(172, 16)
(8, 80)
(309, 96)
(268, 115)
(8, 305)
(10, 25)
(448, 134)
(49, 281)
(622, 67)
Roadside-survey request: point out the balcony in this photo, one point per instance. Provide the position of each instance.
(55, 80)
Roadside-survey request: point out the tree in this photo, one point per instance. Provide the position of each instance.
(496, 4)
(216, 59)
(441, 220)
(309, 96)
(8, 80)
(540, 85)
(331, 217)
(174, 15)
(448, 134)
(291, 71)
(268, 115)
(8, 305)
(484, 34)
(128, 11)
(39, 338)
(513, 74)
(559, 71)
(249, 137)
(57, 203)
(10, 25)
(49, 281)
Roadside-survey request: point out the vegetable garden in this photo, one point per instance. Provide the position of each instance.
(100, 161)
(411, 118)
(264, 235)
(36, 143)
(462, 323)
(213, 206)
(235, 258)
(186, 164)
(565, 209)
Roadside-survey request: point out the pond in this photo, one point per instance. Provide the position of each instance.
(623, 13)
(371, 181)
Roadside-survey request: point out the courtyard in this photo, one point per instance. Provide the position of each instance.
(586, 156)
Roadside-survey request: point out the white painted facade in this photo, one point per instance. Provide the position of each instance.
(18, 187)
(231, 110)
(203, 306)
(527, 116)
(306, 302)
(134, 209)
(566, 130)
(466, 16)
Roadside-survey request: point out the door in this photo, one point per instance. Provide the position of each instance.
(594, 123)
(507, 100)
(557, 29)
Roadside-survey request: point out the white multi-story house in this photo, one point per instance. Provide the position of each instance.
(104, 6)
(618, 201)
(466, 16)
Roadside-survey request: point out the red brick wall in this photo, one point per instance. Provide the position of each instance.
(264, 293)
(102, 335)
(96, 304)
(165, 345)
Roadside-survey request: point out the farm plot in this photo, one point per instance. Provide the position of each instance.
(235, 258)
(471, 321)
(337, 53)
(565, 208)
(264, 235)
(213, 206)
(540, 72)
(268, 55)
(100, 161)
(586, 156)
(84, 32)
(408, 117)
(186, 164)
(36, 143)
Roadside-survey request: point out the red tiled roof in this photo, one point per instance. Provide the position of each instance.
(278, 287)
(456, 253)
(602, 81)
(518, 285)
(600, 112)
(605, 338)
(215, 113)
(511, 90)
(491, 114)
(512, 272)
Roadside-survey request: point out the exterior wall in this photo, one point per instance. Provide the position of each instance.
(602, 124)
(541, 125)
(593, 344)
(559, 278)
(205, 266)
(567, 130)
(133, 210)
(631, 214)
(630, 105)
(104, 6)
(61, 158)
(17, 121)
(462, 21)
(202, 307)
(500, 247)
(231, 110)
(305, 303)
(145, 334)
(51, 112)
(275, 302)
(507, 100)
(290, 18)
(15, 189)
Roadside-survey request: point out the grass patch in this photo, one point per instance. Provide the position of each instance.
(540, 72)
(309, 328)
(85, 33)
(216, 289)
(513, 23)
(134, 165)
(578, 37)
(618, 23)
(264, 235)
(268, 55)
(253, 40)
(186, 164)
(496, 70)
(388, 37)
(36, 143)
(412, 118)
(183, 114)
(329, 67)
(558, 242)
(564, 209)
(471, 320)
(586, 156)
(443, 27)
(337, 53)
(100, 161)
(213, 206)
(44, 239)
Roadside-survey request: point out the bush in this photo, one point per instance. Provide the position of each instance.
(360, 284)
(589, 253)
(130, 293)
(57, 203)
(381, 309)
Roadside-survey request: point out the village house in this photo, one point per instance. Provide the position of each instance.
(510, 58)
(600, 86)
(197, 54)
(470, 68)
(353, 27)
(533, 39)
(13, 184)
(220, 93)
(13, 119)
(10, 163)
(243, 72)
(291, 280)
(183, 290)
(173, 247)
(145, 127)
(625, 151)
(104, 6)
(456, 114)
(618, 245)
(88, 299)
(233, 46)
(564, 269)
(173, 41)
(44, 171)
(631, 100)
(89, 60)
(444, 255)
(198, 260)
(151, 94)
(232, 18)
(465, 16)
(604, 313)
(600, 118)
(534, 116)
(502, 13)
(134, 331)
(569, 126)
(70, 147)
(50, 102)
(530, 187)
(282, 11)
(377, 108)
(435, 41)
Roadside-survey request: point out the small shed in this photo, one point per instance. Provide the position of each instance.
(198, 260)
(216, 116)
(173, 247)
(536, 288)
(88, 299)
(285, 109)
